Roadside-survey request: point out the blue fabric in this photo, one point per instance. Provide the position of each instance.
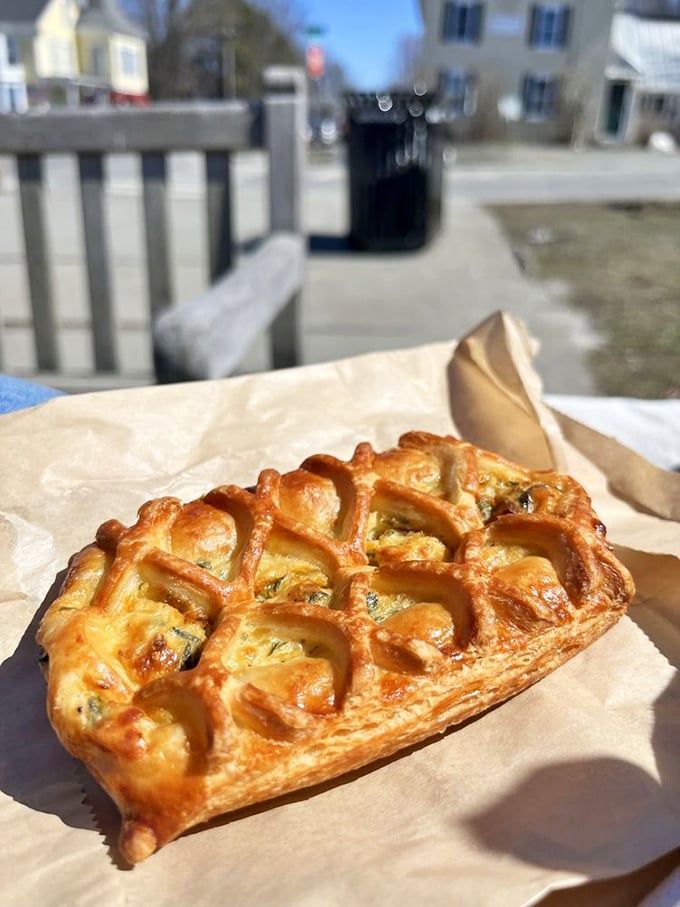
(15, 393)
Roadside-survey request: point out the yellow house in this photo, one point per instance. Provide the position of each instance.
(52, 68)
(77, 51)
(111, 54)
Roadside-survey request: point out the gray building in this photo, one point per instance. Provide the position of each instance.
(519, 69)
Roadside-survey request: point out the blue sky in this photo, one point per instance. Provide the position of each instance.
(363, 34)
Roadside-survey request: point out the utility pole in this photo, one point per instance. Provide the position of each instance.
(227, 39)
(315, 65)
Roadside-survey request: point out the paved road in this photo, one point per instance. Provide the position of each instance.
(559, 175)
(495, 174)
(485, 174)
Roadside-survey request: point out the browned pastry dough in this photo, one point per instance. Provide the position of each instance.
(255, 642)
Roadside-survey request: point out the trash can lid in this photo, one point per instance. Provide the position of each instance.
(387, 106)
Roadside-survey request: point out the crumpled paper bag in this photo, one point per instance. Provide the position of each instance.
(576, 779)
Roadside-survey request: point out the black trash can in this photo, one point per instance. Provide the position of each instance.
(395, 171)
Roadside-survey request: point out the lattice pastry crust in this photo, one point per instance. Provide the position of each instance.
(258, 641)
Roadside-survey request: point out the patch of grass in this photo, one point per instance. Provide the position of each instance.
(621, 263)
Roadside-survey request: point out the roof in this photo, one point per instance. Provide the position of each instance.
(21, 12)
(619, 69)
(106, 15)
(651, 47)
(99, 14)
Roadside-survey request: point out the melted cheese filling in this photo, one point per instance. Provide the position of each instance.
(269, 644)
(390, 539)
(282, 577)
(381, 606)
(289, 662)
(157, 639)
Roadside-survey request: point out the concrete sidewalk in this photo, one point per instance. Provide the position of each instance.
(359, 302)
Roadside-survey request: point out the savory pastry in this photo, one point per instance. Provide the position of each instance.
(258, 641)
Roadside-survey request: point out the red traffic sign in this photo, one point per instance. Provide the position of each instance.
(315, 61)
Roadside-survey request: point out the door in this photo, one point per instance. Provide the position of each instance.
(616, 105)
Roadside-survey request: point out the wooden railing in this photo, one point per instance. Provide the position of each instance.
(217, 130)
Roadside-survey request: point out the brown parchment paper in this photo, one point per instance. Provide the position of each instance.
(574, 780)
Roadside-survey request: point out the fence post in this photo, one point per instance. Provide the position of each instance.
(219, 213)
(155, 194)
(93, 204)
(31, 191)
(285, 125)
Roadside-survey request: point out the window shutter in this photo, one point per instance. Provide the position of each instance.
(531, 29)
(477, 21)
(565, 26)
(525, 95)
(554, 94)
(446, 21)
(470, 94)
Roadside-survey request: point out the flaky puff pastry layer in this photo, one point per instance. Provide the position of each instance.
(258, 641)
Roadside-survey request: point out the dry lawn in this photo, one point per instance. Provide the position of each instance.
(621, 264)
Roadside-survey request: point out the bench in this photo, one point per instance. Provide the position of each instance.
(206, 337)
(259, 291)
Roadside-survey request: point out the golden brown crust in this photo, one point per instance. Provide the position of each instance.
(255, 642)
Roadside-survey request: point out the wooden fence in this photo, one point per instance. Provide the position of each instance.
(217, 130)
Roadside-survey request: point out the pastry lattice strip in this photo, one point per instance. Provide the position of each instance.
(254, 642)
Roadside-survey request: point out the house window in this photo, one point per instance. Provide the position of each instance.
(12, 50)
(16, 96)
(457, 91)
(539, 97)
(549, 26)
(61, 57)
(462, 22)
(129, 61)
(12, 98)
(97, 60)
(659, 105)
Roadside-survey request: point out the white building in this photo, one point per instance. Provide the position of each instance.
(13, 92)
(643, 76)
